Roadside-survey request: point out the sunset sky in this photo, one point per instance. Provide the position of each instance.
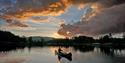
(62, 18)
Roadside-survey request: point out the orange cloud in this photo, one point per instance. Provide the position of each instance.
(50, 9)
(24, 9)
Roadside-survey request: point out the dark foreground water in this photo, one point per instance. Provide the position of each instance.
(79, 55)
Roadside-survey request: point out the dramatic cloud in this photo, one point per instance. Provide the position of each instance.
(109, 20)
(27, 8)
(97, 14)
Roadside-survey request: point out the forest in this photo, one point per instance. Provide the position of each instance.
(10, 41)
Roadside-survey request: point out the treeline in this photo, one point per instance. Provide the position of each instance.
(31, 42)
(76, 41)
(9, 37)
(84, 40)
(10, 41)
(109, 39)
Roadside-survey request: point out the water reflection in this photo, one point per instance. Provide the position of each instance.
(110, 51)
(76, 54)
(84, 48)
(108, 54)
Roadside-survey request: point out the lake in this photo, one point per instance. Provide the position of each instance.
(79, 54)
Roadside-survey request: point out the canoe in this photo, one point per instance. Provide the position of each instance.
(65, 55)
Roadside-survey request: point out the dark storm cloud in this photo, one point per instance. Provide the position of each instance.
(119, 1)
(103, 3)
(110, 20)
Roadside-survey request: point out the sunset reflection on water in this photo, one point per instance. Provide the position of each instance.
(47, 55)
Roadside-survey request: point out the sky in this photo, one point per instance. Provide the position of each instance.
(62, 18)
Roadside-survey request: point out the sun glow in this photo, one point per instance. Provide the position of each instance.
(56, 35)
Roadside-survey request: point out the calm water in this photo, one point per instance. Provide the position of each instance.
(79, 55)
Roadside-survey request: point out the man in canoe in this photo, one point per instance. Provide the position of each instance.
(61, 54)
(59, 50)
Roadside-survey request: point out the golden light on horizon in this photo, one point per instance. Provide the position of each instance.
(56, 35)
